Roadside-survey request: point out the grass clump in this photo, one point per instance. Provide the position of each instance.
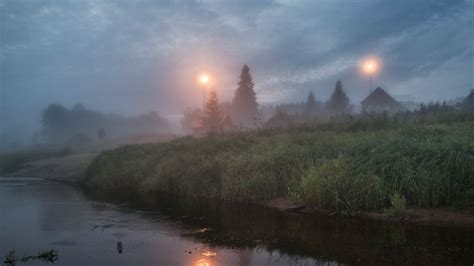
(397, 204)
(332, 185)
(425, 165)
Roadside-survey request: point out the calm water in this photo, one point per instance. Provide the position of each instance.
(36, 215)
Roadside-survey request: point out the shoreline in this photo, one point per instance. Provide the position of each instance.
(71, 170)
(444, 217)
(66, 169)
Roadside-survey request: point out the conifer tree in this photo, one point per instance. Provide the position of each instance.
(311, 105)
(212, 119)
(339, 102)
(244, 103)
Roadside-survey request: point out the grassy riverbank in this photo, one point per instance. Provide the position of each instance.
(346, 168)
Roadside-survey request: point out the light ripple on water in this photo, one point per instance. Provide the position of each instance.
(15, 183)
(7, 179)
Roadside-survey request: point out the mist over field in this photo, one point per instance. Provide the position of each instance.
(236, 132)
(136, 57)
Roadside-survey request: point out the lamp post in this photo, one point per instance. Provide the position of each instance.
(370, 67)
(204, 80)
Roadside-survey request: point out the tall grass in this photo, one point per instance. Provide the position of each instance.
(341, 169)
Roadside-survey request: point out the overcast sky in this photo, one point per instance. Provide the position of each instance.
(133, 56)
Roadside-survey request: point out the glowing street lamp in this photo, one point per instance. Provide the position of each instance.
(370, 66)
(204, 80)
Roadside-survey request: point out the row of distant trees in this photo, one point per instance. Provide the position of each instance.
(243, 111)
(60, 124)
(338, 107)
(312, 110)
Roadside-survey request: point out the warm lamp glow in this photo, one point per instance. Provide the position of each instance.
(204, 79)
(208, 253)
(370, 66)
(203, 262)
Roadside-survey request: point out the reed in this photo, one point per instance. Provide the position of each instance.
(337, 167)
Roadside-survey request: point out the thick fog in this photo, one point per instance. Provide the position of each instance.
(136, 57)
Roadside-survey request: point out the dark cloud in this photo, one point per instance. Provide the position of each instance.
(135, 56)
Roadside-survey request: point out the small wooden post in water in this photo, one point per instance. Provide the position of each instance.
(119, 247)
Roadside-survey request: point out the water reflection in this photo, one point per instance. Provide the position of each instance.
(170, 231)
(208, 253)
(245, 257)
(204, 262)
(324, 239)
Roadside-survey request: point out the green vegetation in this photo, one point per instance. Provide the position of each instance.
(45, 256)
(348, 166)
(12, 162)
(397, 204)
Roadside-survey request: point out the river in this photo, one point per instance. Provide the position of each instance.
(38, 215)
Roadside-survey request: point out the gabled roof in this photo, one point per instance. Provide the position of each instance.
(379, 97)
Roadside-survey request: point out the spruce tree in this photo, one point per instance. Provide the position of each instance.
(244, 104)
(339, 102)
(212, 119)
(311, 106)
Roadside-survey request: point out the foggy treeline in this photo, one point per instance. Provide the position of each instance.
(79, 126)
(60, 124)
(243, 112)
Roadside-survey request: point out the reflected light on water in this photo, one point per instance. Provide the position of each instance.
(203, 262)
(207, 260)
(208, 253)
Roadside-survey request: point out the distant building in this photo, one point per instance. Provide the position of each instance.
(197, 128)
(379, 101)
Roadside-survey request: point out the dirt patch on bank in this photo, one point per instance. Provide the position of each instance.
(69, 168)
(284, 204)
(436, 217)
(439, 217)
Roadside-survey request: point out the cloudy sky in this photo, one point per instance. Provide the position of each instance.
(133, 56)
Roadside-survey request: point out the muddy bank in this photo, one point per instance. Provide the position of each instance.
(70, 169)
(436, 217)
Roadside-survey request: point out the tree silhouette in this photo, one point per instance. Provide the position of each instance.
(191, 119)
(58, 123)
(339, 102)
(101, 134)
(279, 120)
(244, 103)
(468, 102)
(55, 121)
(212, 118)
(311, 106)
